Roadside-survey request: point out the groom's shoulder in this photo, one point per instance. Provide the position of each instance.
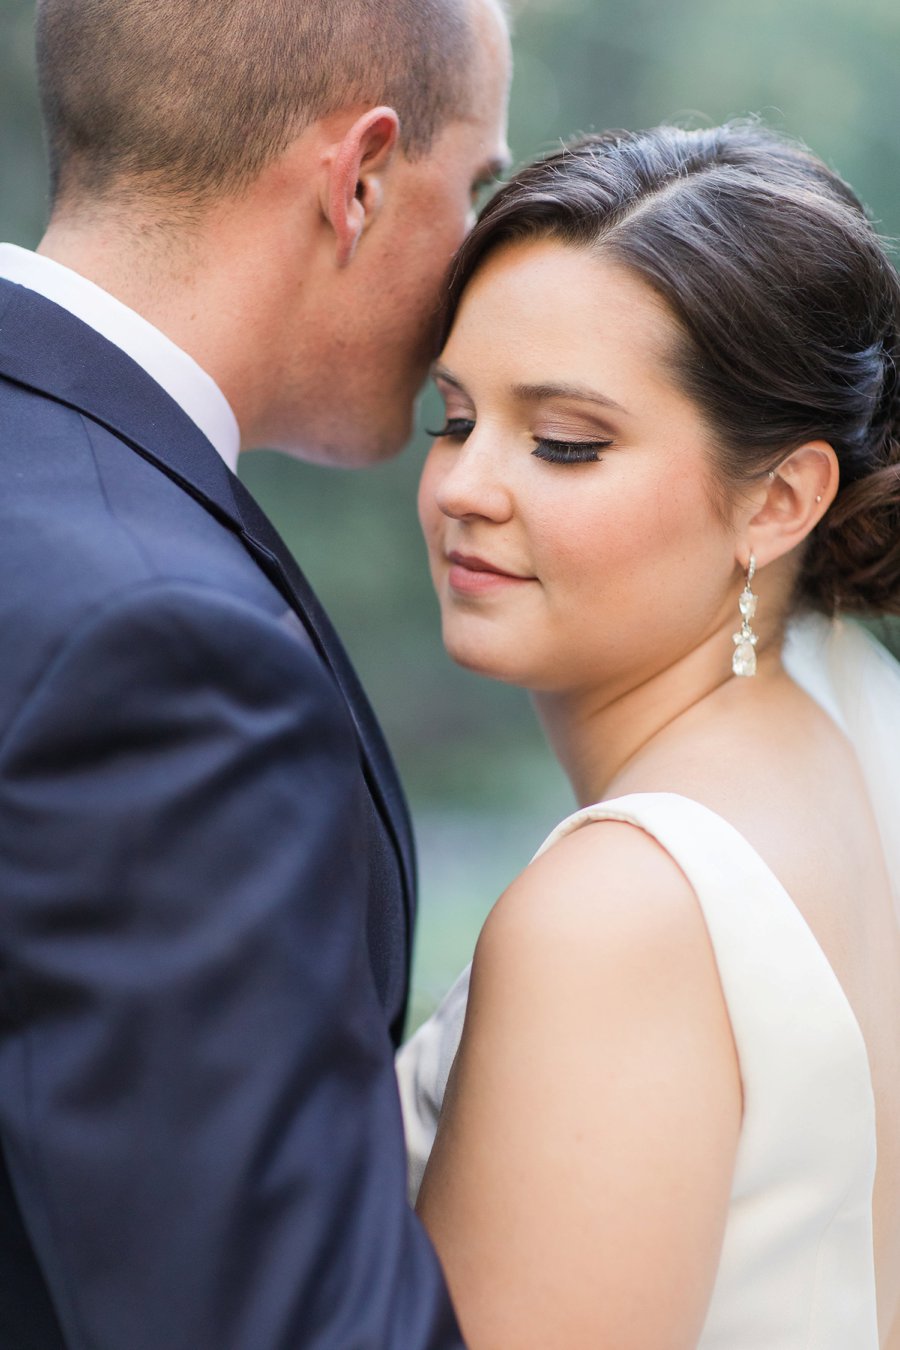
(83, 510)
(85, 519)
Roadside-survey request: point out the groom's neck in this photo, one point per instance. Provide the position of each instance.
(215, 282)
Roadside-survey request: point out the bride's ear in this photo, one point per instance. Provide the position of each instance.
(796, 496)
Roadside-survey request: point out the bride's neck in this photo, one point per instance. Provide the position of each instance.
(600, 732)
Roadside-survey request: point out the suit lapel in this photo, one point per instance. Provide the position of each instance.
(46, 349)
(273, 555)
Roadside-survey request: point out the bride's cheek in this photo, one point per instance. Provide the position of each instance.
(427, 506)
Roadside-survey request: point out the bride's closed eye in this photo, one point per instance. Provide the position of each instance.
(456, 428)
(551, 451)
(569, 452)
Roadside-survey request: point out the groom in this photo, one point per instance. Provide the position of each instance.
(206, 870)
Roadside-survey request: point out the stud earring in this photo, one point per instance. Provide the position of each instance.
(744, 660)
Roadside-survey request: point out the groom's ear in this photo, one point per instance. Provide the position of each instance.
(792, 500)
(355, 166)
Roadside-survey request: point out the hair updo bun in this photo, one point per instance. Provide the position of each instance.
(788, 305)
(853, 559)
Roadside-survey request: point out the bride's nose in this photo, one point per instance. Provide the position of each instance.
(474, 483)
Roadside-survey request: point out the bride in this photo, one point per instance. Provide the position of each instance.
(672, 417)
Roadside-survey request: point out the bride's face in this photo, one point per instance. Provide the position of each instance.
(569, 510)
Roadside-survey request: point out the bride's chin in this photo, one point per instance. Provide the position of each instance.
(491, 665)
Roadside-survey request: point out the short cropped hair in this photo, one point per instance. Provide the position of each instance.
(195, 97)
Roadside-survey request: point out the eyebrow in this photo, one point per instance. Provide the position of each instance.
(534, 393)
(439, 372)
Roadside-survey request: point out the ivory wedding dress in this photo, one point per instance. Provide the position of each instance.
(797, 1266)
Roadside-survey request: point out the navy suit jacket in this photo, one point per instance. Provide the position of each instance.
(206, 900)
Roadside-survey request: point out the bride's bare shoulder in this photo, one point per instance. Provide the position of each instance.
(600, 898)
(596, 1039)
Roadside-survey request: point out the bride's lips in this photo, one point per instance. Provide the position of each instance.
(470, 575)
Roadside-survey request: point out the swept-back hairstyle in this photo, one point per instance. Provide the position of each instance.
(195, 97)
(786, 302)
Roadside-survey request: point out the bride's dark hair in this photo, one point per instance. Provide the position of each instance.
(788, 306)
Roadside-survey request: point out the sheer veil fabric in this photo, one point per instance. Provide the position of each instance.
(857, 681)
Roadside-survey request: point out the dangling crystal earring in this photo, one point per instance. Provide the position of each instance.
(744, 660)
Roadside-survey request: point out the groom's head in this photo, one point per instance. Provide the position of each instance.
(348, 136)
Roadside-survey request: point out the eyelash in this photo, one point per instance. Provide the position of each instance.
(552, 452)
(457, 428)
(570, 452)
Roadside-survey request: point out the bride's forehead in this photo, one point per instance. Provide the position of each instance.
(546, 321)
(542, 292)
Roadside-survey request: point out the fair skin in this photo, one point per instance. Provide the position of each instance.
(579, 1186)
(311, 296)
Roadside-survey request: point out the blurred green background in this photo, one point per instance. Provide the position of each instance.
(483, 787)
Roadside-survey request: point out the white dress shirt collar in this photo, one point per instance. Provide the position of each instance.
(195, 392)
